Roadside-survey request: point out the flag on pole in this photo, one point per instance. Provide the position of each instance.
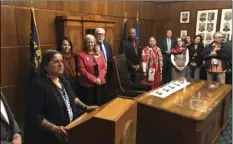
(125, 27)
(137, 28)
(124, 34)
(35, 51)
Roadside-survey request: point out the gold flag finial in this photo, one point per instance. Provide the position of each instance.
(137, 17)
(31, 3)
(125, 17)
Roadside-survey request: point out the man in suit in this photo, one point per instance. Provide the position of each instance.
(166, 45)
(106, 49)
(10, 132)
(228, 46)
(132, 51)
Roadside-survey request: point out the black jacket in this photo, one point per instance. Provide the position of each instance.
(163, 45)
(223, 54)
(109, 54)
(45, 102)
(195, 54)
(128, 49)
(8, 130)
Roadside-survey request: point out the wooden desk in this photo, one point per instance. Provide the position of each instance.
(193, 115)
(112, 123)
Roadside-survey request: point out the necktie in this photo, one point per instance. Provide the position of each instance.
(135, 47)
(101, 49)
(169, 45)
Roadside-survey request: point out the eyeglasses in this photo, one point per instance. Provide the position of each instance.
(57, 62)
(218, 37)
(100, 34)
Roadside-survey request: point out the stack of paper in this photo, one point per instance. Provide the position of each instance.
(170, 88)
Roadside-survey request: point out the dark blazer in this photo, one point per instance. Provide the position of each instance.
(223, 54)
(8, 130)
(109, 54)
(197, 58)
(45, 102)
(228, 46)
(128, 49)
(163, 45)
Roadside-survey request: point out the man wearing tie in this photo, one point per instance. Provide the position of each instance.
(166, 45)
(106, 49)
(132, 51)
(10, 132)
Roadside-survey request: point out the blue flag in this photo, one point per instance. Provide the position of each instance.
(35, 51)
(137, 28)
(137, 31)
(124, 34)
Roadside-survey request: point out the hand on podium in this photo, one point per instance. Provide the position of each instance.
(61, 133)
(91, 108)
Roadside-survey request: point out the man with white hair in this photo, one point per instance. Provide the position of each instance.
(216, 57)
(106, 49)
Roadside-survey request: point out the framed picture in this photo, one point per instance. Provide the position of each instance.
(183, 33)
(206, 24)
(184, 17)
(226, 24)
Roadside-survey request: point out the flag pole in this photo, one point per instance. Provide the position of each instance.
(125, 17)
(136, 27)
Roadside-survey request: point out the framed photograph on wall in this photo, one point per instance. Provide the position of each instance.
(185, 17)
(206, 24)
(226, 24)
(183, 33)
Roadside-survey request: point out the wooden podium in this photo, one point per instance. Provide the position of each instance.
(112, 123)
(195, 114)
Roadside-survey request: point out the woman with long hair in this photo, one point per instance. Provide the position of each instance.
(187, 41)
(70, 63)
(152, 63)
(195, 57)
(92, 67)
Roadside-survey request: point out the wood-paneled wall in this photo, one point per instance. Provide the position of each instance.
(168, 16)
(155, 19)
(15, 30)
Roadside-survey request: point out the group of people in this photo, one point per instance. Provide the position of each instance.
(53, 102)
(175, 58)
(65, 77)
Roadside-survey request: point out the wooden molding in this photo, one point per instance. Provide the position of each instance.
(69, 18)
(97, 18)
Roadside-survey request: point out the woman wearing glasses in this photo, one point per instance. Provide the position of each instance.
(52, 103)
(179, 59)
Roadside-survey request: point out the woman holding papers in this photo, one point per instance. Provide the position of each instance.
(152, 63)
(52, 103)
(179, 59)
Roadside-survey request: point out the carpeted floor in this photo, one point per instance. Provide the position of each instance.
(226, 137)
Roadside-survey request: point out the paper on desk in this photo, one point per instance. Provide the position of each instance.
(169, 89)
